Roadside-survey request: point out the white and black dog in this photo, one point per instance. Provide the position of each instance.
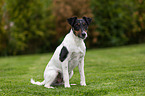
(69, 54)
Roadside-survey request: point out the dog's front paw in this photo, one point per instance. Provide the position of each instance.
(67, 86)
(83, 84)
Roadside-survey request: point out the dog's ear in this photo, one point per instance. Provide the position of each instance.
(88, 20)
(72, 20)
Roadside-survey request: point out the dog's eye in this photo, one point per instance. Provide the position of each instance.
(84, 24)
(77, 27)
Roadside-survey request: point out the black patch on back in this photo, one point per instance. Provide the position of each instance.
(63, 54)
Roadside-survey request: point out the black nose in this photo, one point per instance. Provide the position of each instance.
(83, 34)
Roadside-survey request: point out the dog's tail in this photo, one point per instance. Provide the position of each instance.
(37, 83)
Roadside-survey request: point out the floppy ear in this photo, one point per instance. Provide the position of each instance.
(72, 20)
(88, 20)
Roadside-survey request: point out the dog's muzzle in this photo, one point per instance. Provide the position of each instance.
(84, 35)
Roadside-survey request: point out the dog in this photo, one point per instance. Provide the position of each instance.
(69, 54)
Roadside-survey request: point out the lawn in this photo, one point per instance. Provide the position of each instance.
(118, 71)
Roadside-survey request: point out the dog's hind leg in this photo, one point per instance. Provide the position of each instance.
(50, 78)
(58, 80)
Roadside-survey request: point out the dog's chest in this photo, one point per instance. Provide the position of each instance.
(75, 58)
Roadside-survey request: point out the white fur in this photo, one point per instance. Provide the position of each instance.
(76, 48)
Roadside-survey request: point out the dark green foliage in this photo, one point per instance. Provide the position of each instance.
(32, 26)
(36, 26)
(137, 34)
(4, 34)
(113, 19)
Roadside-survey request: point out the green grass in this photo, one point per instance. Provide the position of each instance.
(116, 71)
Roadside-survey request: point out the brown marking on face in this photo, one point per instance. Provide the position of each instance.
(77, 33)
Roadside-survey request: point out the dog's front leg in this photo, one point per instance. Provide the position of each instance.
(81, 70)
(65, 73)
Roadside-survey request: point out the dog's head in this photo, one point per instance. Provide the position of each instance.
(80, 26)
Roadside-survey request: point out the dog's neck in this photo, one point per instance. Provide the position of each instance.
(76, 38)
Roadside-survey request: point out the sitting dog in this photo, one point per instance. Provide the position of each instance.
(69, 54)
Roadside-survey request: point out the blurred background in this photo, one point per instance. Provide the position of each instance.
(39, 26)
